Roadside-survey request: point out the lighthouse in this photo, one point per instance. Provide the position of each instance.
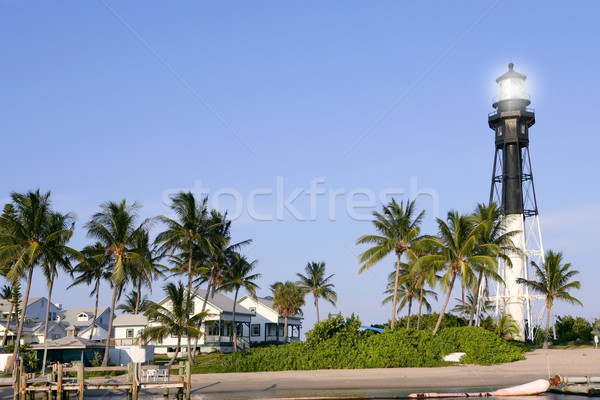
(513, 190)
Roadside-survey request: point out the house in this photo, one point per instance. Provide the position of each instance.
(78, 321)
(217, 327)
(126, 342)
(35, 320)
(70, 349)
(127, 329)
(267, 325)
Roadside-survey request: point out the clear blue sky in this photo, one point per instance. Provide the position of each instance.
(105, 100)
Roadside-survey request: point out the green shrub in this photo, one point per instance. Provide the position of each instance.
(569, 329)
(481, 346)
(336, 343)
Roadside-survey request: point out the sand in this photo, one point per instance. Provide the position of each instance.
(538, 364)
(386, 382)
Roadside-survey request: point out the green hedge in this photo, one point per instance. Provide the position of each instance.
(336, 343)
(481, 346)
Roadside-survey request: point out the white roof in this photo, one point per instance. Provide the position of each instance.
(130, 320)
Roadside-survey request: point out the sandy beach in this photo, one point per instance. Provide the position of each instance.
(538, 364)
(374, 382)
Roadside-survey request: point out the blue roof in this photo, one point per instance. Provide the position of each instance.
(370, 328)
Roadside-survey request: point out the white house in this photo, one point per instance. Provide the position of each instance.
(267, 325)
(35, 320)
(78, 322)
(127, 329)
(126, 339)
(217, 327)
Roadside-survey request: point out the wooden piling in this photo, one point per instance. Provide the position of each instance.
(59, 381)
(16, 382)
(187, 384)
(23, 381)
(80, 381)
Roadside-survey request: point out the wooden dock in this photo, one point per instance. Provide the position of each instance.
(61, 385)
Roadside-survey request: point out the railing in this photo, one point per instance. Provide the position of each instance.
(280, 338)
(126, 342)
(59, 383)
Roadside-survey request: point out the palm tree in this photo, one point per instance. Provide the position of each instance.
(27, 239)
(237, 275)
(554, 281)
(411, 287)
(147, 269)
(189, 233)
(93, 268)
(316, 283)
(492, 230)
(115, 227)
(464, 309)
(59, 257)
(133, 303)
(406, 292)
(173, 317)
(288, 298)
(425, 275)
(398, 230)
(506, 327)
(459, 254)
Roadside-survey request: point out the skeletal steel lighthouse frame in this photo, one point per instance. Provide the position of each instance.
(512, 188)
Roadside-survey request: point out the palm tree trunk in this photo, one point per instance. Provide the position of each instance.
(547, 335)
(200, 322)
(95, 308)
(317, 306)
(21, 321)
(395, 297)
(48, 319)
(233, 320)
(285, 326)
(110, 324)
(439, 321)
(409, 312)
(421, 291)
(138, 297)
(475, 298)
(189, 297)
(177, 350)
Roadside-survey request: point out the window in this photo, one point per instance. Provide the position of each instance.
(255, 330)
(239, 329)
(272, 330)
(253, 309)
(522, 129)
(193, 308)
(129, 333)
(500, 130)
(55, 336)
(212, 328)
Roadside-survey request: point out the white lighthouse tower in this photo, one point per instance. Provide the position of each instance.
(513, 190)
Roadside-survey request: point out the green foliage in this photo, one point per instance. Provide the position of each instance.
(97, 359)
(30, 360)
(336, 343)
(569, 329)
(481, 346)
(207, 363)
(330, 327)
(428, 321)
